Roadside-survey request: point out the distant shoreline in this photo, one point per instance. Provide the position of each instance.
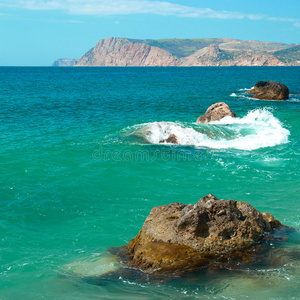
(147, 67)
(122, 52)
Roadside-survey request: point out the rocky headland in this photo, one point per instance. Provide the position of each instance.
(121, 52)
(116, 51)
(64, 62)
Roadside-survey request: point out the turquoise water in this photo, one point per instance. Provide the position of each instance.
(81, 167)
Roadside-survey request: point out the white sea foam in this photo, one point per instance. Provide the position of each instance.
(233, 95)
(258, 129)
(293, 99)
(245, 89)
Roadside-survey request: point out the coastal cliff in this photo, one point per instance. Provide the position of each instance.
(116, 51)
(122, 52)
(214, 56)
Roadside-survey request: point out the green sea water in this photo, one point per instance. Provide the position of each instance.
(81, 167)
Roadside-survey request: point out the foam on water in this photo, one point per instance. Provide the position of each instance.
(258, 129)
(242, 94)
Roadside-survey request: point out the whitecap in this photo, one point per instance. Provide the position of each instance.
(233, 95)
(258, 129)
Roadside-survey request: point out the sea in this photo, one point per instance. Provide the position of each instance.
(84, 159)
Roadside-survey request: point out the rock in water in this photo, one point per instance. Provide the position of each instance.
(172, 139)
(216, 112)
(182, 238)
(97, 266)
(64, 62)
(270, 90)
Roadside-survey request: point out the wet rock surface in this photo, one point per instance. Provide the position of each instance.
(270, 90)
(180, 238)
(172, 139)
(216, 112)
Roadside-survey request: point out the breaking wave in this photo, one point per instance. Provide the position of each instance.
(258, 129)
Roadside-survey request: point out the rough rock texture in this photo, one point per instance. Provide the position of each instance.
(208, 56)
(216, 112)
(122, 52)
(257, 60)
(214, 56)
(270, 90)
(180, 237)
(172, 139)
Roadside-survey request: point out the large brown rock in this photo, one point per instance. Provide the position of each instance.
(172, 139)
(270, 90)
(216, 112)
(181, 238)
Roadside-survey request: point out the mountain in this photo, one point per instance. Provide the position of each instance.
(122, 52)
(115, 51)
(289, 55)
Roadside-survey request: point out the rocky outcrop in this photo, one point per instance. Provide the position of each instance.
(214, 56)
(216, 112)
(208, 56)
(64, 62)
(257, 60)
(172, 139)
(122, 52)
(179, 238)
(270, 90)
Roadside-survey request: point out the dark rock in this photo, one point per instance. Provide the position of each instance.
(181, 238)
(172, 139)
(270, 90)
(216, 112)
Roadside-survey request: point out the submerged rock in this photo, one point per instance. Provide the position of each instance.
(270, 90)
(97, 266)
(216, 112)
(180, 238)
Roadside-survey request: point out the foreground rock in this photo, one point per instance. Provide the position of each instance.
(270, 90)
(216, 112)
(182, 238)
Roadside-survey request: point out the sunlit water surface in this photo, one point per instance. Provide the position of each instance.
(82, 165)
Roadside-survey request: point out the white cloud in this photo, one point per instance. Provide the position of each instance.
(256, 17)
(125, 7)
(121, 7)
(283, 19)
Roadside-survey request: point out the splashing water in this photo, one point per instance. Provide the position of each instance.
(258, 129)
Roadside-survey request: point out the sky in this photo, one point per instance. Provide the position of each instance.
(37, 32)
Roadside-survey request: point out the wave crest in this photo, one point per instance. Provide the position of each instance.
(258, 129)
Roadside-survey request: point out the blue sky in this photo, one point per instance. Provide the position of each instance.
(36, 32)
